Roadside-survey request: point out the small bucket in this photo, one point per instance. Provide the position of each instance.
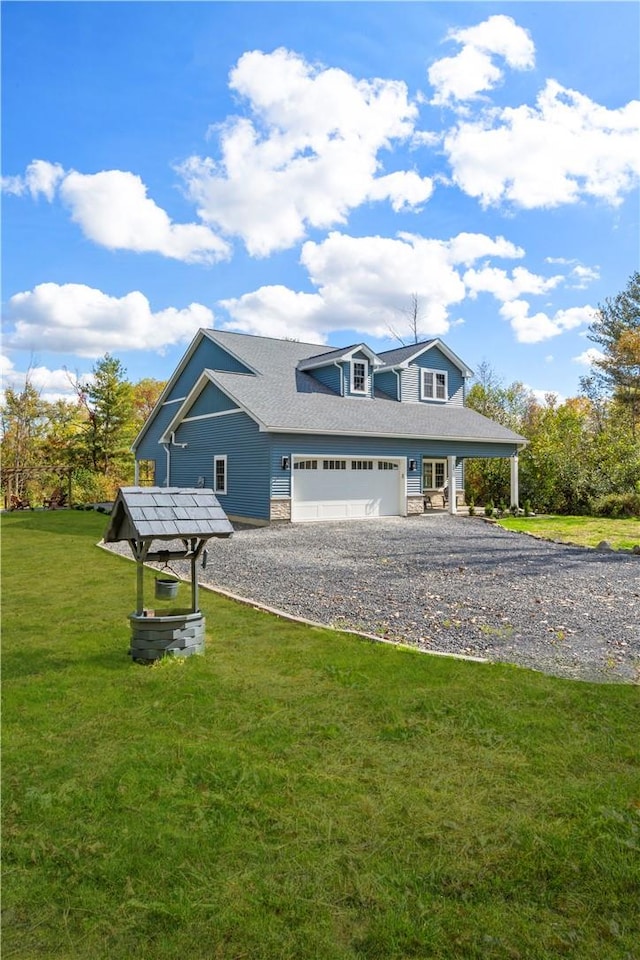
(166, 589)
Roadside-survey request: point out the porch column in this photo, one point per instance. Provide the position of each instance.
(453, 499)
(514, 481)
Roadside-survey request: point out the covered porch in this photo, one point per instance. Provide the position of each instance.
(443, 492)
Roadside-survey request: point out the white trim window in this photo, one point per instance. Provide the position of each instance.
(220, 474)
(434, 474)
(433, 385)
(359, 376)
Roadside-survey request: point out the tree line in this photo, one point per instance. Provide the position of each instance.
(81, 446)
(582, 455)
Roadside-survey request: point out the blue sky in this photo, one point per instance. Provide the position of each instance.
(304, 169)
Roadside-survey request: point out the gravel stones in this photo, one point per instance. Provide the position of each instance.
(447, 584)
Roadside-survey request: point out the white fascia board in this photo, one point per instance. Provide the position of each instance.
(517, 441)
(455, 360)
(206, 377)
(191, 349)
(328, 360)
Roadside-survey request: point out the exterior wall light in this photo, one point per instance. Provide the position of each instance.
(412, 464)
(285, 463)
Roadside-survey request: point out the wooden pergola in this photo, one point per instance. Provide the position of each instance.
(15, 479)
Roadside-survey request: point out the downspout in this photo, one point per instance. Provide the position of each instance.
(339, 366)
(168, 452)
(167, 447)
(398, 374)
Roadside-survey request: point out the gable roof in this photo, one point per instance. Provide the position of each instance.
(282, 398)
(277, 406)
(335, 356)
(402, 356)
(166, 513)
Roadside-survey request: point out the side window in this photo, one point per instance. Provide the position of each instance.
(433, 385)
(147, 473)
(434, 474)
(359, 376)
(220, 474)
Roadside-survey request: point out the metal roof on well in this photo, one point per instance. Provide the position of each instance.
(166, 513)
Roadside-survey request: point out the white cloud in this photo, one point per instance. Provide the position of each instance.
(535, 328)
(583, 276)
(366, 284)
(307, 156)
(85, 321)
(546, 398)
(473, 70)
(51, 385)
(40, 177)
(112, 209)
(588, 357)
(504, 287)
(277, 311)
(564, 148)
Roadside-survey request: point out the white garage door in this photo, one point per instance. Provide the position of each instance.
(349, 488)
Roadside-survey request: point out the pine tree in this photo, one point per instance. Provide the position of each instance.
(616, 330)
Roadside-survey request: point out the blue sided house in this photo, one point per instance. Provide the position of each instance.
(292, 431)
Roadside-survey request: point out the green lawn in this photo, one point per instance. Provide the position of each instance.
(295, 794)
(585, 531)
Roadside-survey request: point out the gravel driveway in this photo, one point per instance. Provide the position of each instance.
(450, 584)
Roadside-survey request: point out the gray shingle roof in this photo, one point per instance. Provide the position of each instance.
(389, 357)
(276, 402)
(282, 398)
(166, 513)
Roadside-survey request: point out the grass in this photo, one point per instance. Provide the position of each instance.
(295, 793)
(585, 531)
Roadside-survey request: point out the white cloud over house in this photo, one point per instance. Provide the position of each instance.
(307, 154)
(536, 327)
(563, 149)
(366, 284)
(79, 319)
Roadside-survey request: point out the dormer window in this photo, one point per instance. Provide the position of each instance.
(433, 385)
(359, 376)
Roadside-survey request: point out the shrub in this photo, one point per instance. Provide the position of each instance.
(472, 508)
(488, 510)
(617, 505)
(527, 508)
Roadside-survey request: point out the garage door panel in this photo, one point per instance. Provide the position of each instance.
(329, 494)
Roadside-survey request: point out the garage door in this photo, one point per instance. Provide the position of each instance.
(349, 488)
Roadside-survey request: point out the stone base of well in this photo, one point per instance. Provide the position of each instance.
(175, 635)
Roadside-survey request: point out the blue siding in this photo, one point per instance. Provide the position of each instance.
(211, 400)
(388, 383)
(432, 360)
(207, 355)
(329, 376)
(149, 447)
(287, 445)
(247, 450)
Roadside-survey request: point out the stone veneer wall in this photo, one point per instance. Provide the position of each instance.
(178, 635)
(280, 510)
(415, 505)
